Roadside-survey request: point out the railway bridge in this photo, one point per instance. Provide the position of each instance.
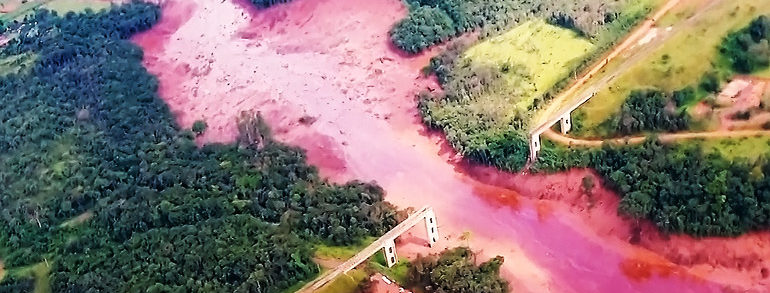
(386, 243)
(569, 100)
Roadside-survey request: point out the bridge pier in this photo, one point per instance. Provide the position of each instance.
(389, 249)
(431, 226)
(534, 146)
(566, 123)
(386, 243)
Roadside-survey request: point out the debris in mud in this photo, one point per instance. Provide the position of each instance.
(307, 120)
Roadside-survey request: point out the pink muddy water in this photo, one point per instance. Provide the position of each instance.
(329, 64)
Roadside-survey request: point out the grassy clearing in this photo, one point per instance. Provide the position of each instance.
(750, 148)
(60, 6)
(16, 64)
(64, 6)
(346, 283)
(763, 73)
(681, 61)
(19, 10)
(396, 273)
(341, 252)
(544, 54)
(40, 272)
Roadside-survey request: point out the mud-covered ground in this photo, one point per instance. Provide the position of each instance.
(326, 78)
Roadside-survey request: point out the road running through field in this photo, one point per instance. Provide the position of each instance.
(567, 99)
(663, 137)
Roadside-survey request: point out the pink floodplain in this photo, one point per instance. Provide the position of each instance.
(324, 75)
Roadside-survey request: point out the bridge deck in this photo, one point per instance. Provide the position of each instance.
(370, 250)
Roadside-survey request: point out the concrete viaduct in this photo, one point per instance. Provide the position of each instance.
(562, 114)
(386, 243)
(565, 122)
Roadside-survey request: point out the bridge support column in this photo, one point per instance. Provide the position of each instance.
(431, 226)
(566, 123)
(390, 252)
(534, 147)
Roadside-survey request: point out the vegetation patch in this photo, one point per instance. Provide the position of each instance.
(64, 6)
(750, 149)
(456, 271)
(268, 3)
(747, 50)
(83, 132)
(649, 110)
(532, 57)
(492, 88)
(433, 21)
(690, 57)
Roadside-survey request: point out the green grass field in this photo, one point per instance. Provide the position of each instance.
(680, 61)
(60, 6)
(349, 282)
(751, 148)
(545, 53)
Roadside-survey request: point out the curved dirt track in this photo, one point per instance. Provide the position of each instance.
(324, 75)
(663, 137)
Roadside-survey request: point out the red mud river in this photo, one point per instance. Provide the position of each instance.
(330, 60)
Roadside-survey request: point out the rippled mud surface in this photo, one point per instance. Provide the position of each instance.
(326, 79)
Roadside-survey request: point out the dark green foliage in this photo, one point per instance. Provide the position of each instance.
(199, 127)
(84, 132)
(683, 190)
(423, 27)
(710, 82)
(455, 271)
(432, 21)
(648, 110)
(12, 284)
(748, 50)
(268, 3)
(685, 96)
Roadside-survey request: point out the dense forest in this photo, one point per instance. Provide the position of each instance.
(430, 22)
(748, 50)
(455, 271)
(103, 188)
(650, 110)
(679, 187)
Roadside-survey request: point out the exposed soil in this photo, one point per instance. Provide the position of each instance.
(378, 285)
(326, 78)
(9, 6)
(746, 102)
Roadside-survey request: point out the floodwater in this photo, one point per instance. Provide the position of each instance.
(325, 77)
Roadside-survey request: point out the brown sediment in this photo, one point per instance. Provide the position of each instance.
(332, 60)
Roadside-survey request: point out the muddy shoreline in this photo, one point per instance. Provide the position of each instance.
(335, 87)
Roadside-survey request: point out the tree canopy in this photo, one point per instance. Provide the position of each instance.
(100, 183)
(748, 50)
(455, 271)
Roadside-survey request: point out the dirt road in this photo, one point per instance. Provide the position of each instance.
(566, 101)
(664, 137)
